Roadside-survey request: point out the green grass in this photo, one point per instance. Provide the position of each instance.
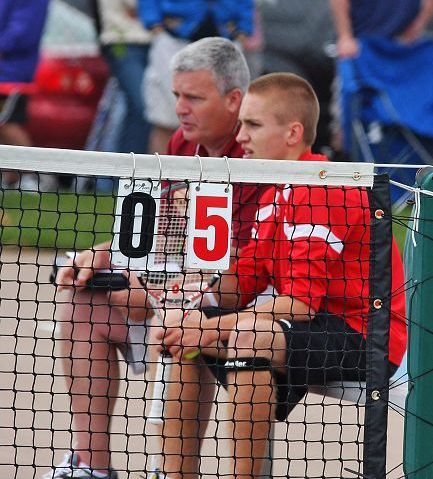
(52, 220)
(70, 221)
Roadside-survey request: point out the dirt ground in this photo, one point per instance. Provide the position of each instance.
(320, 440)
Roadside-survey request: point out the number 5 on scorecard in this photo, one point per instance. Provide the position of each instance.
(209, 226)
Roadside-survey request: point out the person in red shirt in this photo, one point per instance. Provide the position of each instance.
(208, 90)
(210, 78)
(312, 244)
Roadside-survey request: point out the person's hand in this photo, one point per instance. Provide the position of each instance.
(182, 336)
(242, 39)
(77, 271)
(419, 24)
(131, 302)
(131, 12)
(412, 32)
(157, 29)
(347, 47)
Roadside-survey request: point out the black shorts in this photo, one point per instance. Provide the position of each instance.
(18, 113)
(318, 351)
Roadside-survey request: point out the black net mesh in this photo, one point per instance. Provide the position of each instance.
(79, 369)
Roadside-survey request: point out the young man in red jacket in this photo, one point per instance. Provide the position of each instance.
(312, 244)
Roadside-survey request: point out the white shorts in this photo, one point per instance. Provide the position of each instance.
(158, 94)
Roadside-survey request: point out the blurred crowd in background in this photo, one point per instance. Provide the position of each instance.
(94, 74)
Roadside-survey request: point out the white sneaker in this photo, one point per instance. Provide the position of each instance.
(69, 469)
(157, 474)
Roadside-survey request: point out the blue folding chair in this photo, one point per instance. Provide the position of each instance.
(387, 107)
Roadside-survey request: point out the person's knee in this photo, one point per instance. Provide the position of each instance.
(81, 317)
(255, 338)
(249, 337)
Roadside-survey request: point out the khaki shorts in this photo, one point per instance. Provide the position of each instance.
(158, 94)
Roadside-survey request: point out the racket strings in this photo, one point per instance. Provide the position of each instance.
(168, 281)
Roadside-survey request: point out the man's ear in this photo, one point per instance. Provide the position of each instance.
(295, 133)
(233, 100)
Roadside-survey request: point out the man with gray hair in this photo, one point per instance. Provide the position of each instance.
(210, 78)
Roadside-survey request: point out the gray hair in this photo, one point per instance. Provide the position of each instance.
(218, 55)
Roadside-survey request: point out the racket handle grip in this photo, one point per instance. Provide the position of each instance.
(193, 354)
(162, 376)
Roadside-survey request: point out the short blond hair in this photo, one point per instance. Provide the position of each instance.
(296, 100)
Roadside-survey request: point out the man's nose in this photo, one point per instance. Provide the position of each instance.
(181, 106)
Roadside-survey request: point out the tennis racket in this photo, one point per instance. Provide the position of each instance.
(170, 286)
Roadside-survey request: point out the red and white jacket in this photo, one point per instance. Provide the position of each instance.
(313, 243)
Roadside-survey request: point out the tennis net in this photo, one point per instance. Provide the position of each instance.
(336, 231)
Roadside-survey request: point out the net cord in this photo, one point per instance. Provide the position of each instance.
(118, 165)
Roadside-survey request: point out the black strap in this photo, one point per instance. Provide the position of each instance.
(248, 364)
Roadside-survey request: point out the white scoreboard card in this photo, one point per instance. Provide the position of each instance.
(135, 225)
(209, 226)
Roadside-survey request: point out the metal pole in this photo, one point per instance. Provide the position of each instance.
(418, 437)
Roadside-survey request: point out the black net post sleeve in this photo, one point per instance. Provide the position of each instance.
(376, 412)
